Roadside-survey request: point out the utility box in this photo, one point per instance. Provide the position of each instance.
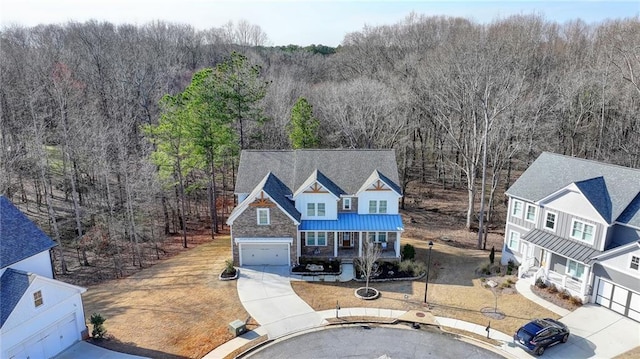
(237, 327)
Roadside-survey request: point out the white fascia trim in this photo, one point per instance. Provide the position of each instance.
(264, 240)
(616, 250)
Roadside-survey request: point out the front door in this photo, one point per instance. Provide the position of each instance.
(346, 240)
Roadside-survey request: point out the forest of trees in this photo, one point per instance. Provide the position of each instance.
(87, 109)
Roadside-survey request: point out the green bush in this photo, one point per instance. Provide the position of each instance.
(97, 321)
(408, 252)
(540, 283)
(228, 266)
(492, 255)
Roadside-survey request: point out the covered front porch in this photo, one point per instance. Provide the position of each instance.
(344, 238)
(559, 261)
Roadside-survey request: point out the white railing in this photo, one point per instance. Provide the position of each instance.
(575, 287)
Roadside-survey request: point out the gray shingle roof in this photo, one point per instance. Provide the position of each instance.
(562, 246)
(13, 285)
(348, 169)
(19, 237)
(317, 176)
(611, 189)
(279, 192)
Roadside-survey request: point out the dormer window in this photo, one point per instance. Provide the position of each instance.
(346, 204)
(316, 210)
(37, 299)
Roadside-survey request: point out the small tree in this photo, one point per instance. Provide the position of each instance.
(367, 263)
(97, 321)
(303, 128)
(492, 255)
(408, 252)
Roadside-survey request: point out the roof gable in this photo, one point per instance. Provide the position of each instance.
(378, 181)
(13, 285)
(595, 190)
(551, 172)
(20, 238)
(277, 191)
(324, 181)
(347, 169)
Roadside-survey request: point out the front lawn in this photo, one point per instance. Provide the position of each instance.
(455, 290)
(177, 308)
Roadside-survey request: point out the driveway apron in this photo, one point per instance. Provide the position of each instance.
(266, 294)
(596, 332)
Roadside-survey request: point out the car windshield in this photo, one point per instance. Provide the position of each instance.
(524, 335)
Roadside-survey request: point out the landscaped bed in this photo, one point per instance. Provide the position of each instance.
(318, 266)
(383, 271)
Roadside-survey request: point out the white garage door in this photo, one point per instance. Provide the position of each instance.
(618, 299)
(261, 254)
(49, 341)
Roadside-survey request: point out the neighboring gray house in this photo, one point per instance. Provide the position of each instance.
(314, 203)
(576, 223)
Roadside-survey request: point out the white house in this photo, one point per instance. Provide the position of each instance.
(315, 203)
(575, 223)
(39, 316)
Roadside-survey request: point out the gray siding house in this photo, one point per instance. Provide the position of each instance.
(575, 223)
(314, 203)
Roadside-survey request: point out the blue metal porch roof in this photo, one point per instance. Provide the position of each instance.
(356, 222)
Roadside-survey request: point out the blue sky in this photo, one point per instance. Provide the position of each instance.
(301, 22)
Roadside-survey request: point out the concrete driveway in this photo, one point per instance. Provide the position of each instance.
(266, 294)
(84, 350)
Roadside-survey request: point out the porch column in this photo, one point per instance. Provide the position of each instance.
(359, 244)
(299, 249)
(397, 244)
(587, 277)
(335, 244)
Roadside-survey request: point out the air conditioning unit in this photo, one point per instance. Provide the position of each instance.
(237, 327)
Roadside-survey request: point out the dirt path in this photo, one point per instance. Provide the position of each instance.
(177, 308)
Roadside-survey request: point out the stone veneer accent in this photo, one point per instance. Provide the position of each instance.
(281, 226)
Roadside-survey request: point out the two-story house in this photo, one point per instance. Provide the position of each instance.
(39, 316)
(314, 203)
(575, 223)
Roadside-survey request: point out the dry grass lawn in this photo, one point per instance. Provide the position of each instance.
(454, 290)
(177, 308)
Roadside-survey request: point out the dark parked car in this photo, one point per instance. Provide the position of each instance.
(539, 334)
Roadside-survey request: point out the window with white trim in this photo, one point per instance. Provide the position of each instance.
(550, 221)
(378, 206)
(346, 204)
(516, 209)
(316, 238)
(635, 262)
(531, 213)
(377, 237)
(37, 299)
(263, 216)
(514, 240)
(575, 269)
(582, 231)
(316, 210)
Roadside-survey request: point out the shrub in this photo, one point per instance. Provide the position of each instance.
(576, 301)
(564, 294)
(97, 321)
(540, 283)
(408, 252)
(228, 266)
(505, 284)
(486, 269)
(412, 267)
(552, 289)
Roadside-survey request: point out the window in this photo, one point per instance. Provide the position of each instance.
(582, 231)
(635, 262)
(316, 238)
(346, 204)
(263, 216)
(311, 209)
(315, 209)
(378, 206)
(377, 237)
(37, 299)
(531, 213)
(514, 239)
(575, 269)
(550, 221)
(516, 211)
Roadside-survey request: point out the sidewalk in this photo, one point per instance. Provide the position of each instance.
(523, 286)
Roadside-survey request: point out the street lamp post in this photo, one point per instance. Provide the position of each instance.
(426, 282)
